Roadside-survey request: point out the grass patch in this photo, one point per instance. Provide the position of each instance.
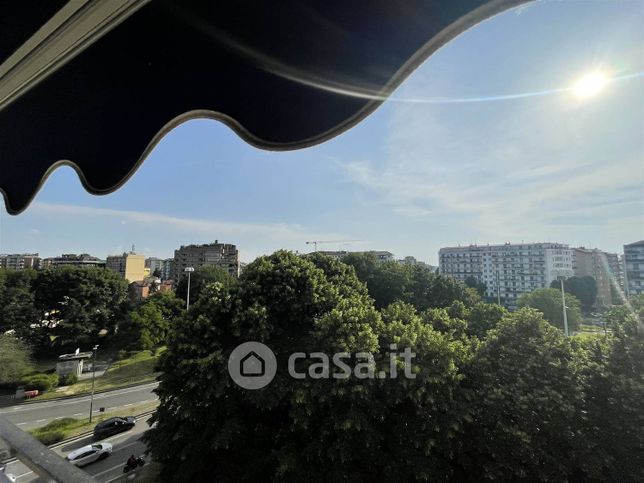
(135, 369)
(61, 429)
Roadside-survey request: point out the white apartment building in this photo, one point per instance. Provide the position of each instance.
(508, 270)
(165, 266)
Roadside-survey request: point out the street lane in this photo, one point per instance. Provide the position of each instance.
(125, 444)
(32, 415)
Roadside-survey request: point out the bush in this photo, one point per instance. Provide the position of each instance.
(41, 382)
(50, 437)
(68, 379)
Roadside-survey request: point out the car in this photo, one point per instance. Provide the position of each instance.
(113, 426)
(90, 453)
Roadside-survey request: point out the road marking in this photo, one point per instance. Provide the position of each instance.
(59, 417)
(77, 414)
(24, 474)
(126, 405)
(40, 420)
(20, 424)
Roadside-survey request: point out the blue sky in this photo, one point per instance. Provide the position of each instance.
(420, 173)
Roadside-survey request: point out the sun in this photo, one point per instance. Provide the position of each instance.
(589, 85)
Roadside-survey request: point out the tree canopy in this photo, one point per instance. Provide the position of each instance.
(583, 288)
(496, 396)
(199, 279)
(548, 302)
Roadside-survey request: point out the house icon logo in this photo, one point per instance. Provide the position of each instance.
(252, 365)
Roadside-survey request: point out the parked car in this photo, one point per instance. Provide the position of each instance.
(113, 426)
(90, 453)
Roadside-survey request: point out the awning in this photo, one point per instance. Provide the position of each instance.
(96, 84)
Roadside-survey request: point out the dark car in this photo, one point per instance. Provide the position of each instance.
(113, 426)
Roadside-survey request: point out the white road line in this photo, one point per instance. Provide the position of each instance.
(59, 417)
(24, 474)
(126, 405)
(77, 414)
(20, 424)
(40, 420)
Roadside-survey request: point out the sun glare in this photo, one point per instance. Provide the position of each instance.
(589, 85)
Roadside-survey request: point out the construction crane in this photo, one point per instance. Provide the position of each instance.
(315, 242)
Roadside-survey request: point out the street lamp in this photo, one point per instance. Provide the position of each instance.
(563, 303)
(189, 270)
(91, 401)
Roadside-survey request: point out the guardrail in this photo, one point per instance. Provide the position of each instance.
(40, 458)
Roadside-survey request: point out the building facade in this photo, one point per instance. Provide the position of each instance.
(130, 266)
(222, 255)
(20, 261)
(603, 267)
(510, 270)
(634, 267)
(164, 266)
(82, 260)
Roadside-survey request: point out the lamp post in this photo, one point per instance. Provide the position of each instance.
(189, 270)
(91, 400)
(563, 303)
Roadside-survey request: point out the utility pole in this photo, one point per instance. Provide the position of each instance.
(563, 303)
(189, 270)
(91, 401)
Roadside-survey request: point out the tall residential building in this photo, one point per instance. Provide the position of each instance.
(602, 266)
(130, 266)
(82, 260)
(165, 267)
(634, 267)
(20, 261)
(508, 270)
(222, 255)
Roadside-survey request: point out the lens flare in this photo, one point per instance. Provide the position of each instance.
(589, 85)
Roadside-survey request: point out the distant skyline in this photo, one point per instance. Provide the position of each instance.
(482, 144)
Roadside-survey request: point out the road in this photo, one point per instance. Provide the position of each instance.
(32, 415)
(109, 469)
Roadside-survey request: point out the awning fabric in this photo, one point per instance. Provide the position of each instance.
(283, 74)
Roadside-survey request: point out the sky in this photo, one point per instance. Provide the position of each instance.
(457, 156)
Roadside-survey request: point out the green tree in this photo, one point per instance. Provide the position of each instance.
(15, 360)
(388, 282)
(483, 317)
(315, 429)
(78, 303)
(199, 279)
(147, 326)
(525, 399)
(583, 288)
(473, 282)
(17, 308)
(548, 302)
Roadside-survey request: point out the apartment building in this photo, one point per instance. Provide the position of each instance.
(20, 261)
(508, 270)
(66, 259)
(409, 260)
(603, 267)
(130, 266)
(164, 266)
(223, 255)
(634, 267)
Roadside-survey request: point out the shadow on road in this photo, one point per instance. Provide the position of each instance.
(78, 443)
